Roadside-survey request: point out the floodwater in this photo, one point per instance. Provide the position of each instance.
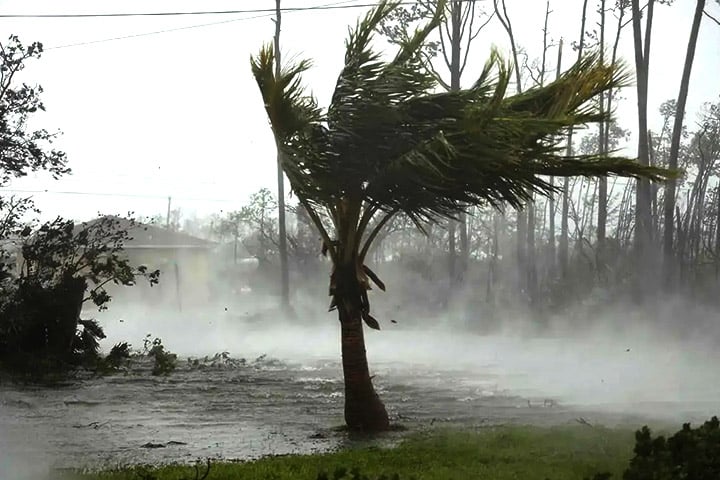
(280, 391)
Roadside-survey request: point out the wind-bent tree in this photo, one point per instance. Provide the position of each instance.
(389, 145)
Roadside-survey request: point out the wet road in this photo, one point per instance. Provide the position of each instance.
(275, 405)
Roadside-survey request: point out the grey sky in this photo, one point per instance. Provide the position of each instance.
(179, 114)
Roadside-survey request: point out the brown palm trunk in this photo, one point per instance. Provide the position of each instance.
(364, 411)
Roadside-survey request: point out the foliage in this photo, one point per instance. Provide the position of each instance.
(390, 141)
(389, 144)
(147, 474)
(165, 362)
(458, 30)
(21, 151)
(61, 267)
(118, 357)
(342, 473)
(92, 250)
(692, 454)
(254, 227)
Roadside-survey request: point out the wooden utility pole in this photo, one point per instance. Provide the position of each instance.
(282, 233)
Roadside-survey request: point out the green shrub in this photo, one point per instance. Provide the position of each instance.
(342, 473)
(63, 267)
(690, 454)
(165, 362)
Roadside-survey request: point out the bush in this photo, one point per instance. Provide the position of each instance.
(690, 454)
(63, 266)
(40, 329)
(118, 357)
(342, 473)
(165, 362)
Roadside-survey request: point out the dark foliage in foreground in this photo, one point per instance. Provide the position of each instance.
(690, 454)
(342, 473)
(62, 268)
(200, 474)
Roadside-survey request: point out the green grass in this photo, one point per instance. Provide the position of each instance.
(503, 453)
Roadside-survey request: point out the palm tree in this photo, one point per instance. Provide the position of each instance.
(389, 144)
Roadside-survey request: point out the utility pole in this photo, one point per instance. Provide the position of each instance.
(284, 274)
(167, 218)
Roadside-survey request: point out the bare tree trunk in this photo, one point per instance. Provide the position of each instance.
(531, 262)
(552, 250)
(531, 273)
(610, 93)
(282, 241)
(668, 257)
(643, 225)
(563, 245)
(493, 274)
(602, 181)
(452, 255)
(455, 37)
(521, 250)
(717, 233)
(501, 13)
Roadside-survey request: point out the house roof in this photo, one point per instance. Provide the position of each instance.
(151, 236)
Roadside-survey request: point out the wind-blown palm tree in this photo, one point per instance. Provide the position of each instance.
(389, 144)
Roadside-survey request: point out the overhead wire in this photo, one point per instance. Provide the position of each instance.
(264, 13)
(187, 27)
(196, 12)
(146, 34)
(108, 194)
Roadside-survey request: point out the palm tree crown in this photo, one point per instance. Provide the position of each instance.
(390, 142)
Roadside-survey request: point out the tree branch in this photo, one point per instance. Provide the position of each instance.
(374, 234)
(473, 35)
(367, 215)
(711, 17)
(321, 228)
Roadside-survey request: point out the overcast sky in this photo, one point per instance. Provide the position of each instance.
(178, 113)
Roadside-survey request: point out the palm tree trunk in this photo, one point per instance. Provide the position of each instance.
(364, 411)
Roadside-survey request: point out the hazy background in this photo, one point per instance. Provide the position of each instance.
(179, 114)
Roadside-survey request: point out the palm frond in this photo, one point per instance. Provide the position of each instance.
(390, 140)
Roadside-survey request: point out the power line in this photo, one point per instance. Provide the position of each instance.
(189, 27)
(106, 194)
(193, 13)
(156, 32)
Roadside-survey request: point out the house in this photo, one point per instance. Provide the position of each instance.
(184, 262)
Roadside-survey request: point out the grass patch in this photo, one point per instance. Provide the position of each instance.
(519, 453)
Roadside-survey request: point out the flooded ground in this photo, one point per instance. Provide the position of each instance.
(290, 399)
